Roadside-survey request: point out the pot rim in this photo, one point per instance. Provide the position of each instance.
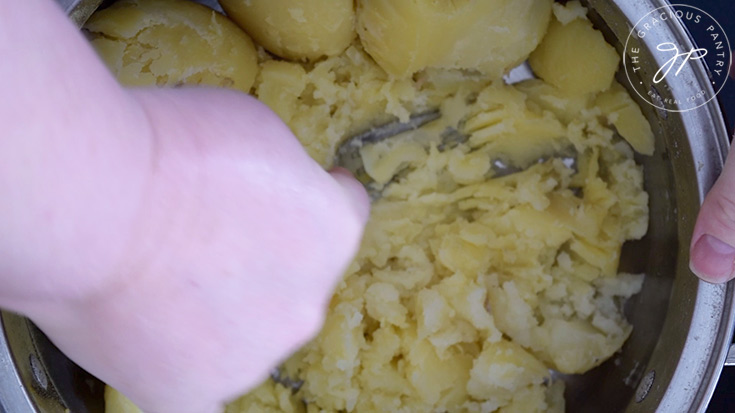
(712, 318)
(709, 324)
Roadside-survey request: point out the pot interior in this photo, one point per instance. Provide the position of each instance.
(671, 309)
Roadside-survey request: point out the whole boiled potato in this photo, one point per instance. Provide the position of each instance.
(172, 42)
(296, 29)
(491, 36)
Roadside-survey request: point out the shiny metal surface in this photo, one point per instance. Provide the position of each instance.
(36, 377)
(79, 10)
(696, 320)
(682, 326)
(12, 391)
(730, 359)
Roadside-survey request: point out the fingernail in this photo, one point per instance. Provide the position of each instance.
(712, 259)
(355, 191)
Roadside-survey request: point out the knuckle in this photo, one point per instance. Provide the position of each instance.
(724, 209)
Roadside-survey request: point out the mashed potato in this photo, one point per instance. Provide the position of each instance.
(471, 284)
(468, 287)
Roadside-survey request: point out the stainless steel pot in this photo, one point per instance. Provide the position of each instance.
(682, 326)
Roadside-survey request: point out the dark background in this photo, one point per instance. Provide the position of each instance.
(724, 12)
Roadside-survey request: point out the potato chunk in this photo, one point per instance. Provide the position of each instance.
(296, 29)
(280, 86)
(172, 42)
(575, 58)
(492, 36)
(503, 367)
(576, 346)
(621, 111)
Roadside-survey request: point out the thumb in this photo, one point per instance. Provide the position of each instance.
(712, 252)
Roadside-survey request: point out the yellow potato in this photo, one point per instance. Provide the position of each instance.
(436, 378)
(272, 397)
(503, 368)
(543, 96)
(172, 42)
(382, 161)
(280, 86)
(569, 11)
(468, 286)
(491, 36)
(296, 29)
(115, 402)
(333, 98)
(576, 346)
(575, 58)
(532, 399)
(622, 112)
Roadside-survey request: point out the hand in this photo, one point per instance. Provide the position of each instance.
(713, 242)
(176, 243)
(231, 264)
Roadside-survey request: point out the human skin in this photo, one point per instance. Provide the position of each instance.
(179, 243)
(176, 243)
(713, 241)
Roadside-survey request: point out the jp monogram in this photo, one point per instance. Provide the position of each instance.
(671, 59)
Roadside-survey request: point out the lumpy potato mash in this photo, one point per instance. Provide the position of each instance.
(471, 282)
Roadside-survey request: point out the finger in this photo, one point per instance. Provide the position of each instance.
(355, 192)
(712, 255)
